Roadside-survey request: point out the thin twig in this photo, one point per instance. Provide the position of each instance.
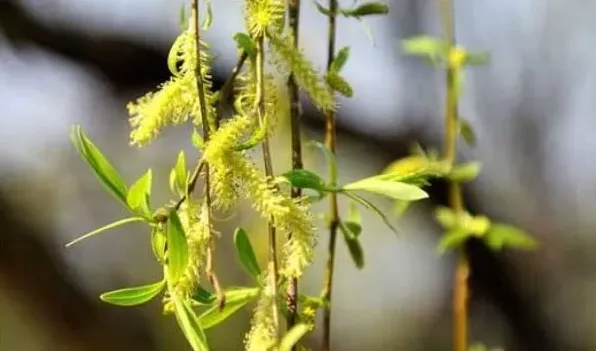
(273, 269)
(206, 134)
(295, 117)
(224, 94)
(330, 141)
(462, 270)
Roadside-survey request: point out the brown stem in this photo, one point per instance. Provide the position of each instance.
(330, 143)
(460, 294)
(295, 116)
(273, 269)
(206, 134)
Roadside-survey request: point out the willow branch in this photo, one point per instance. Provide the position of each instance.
(462, 270)
(206, 134)
(330, 143)
(261, 112)
(295, 117)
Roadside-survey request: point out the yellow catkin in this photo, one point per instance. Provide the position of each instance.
(261, 335)
(176, 100)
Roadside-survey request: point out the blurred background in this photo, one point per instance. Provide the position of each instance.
(80, 61)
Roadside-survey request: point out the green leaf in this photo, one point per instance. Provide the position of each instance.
(467, 132)
(465, 172)
(446, 217)
(133, 296)
(139, 196)
(209, 18)
(203, 296)
(182, 19)
(293, 336)
(190, 325)
(452, 239)
(400, 207)
(104, 228)
(331, 161)
(246, 253)
(367, 9)
(245, 43)
(235, 300)
(369, 205)
(476, 59)
(177, 253)
(158, 243)
(354, 246)
(422, 45)
(353, 214)
(340, 59)
(178, 175)
(476, 225)
(105, 172)
(305, 179)
(339, 84)
(502, 235)
(323, 10)
(392, 189)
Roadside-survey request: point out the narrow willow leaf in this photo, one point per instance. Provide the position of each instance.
(400, 207)
(354, 246)
(305, 179)
(452, 239)
(235, 300)
(246, 253)
(350, 229)
(394, 190)
(183, 19)
(353, 214)
(425, 46)
(203, 296)
(331, 161)
(467, 132)
(293, 336)
(367, 9)
(369, 205)
(133, 296)
(446, 217)
(209, 18)
(477, 225)
(340, 59)
(190, 325)
(323, 10)
(465, 172)
(507, 236)
(139, 195)
(158, 243)
(104, 228)
(105, 172)
(339, 84)
(478, 58)
(245, 43)
(177, 253)
(178, 175)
